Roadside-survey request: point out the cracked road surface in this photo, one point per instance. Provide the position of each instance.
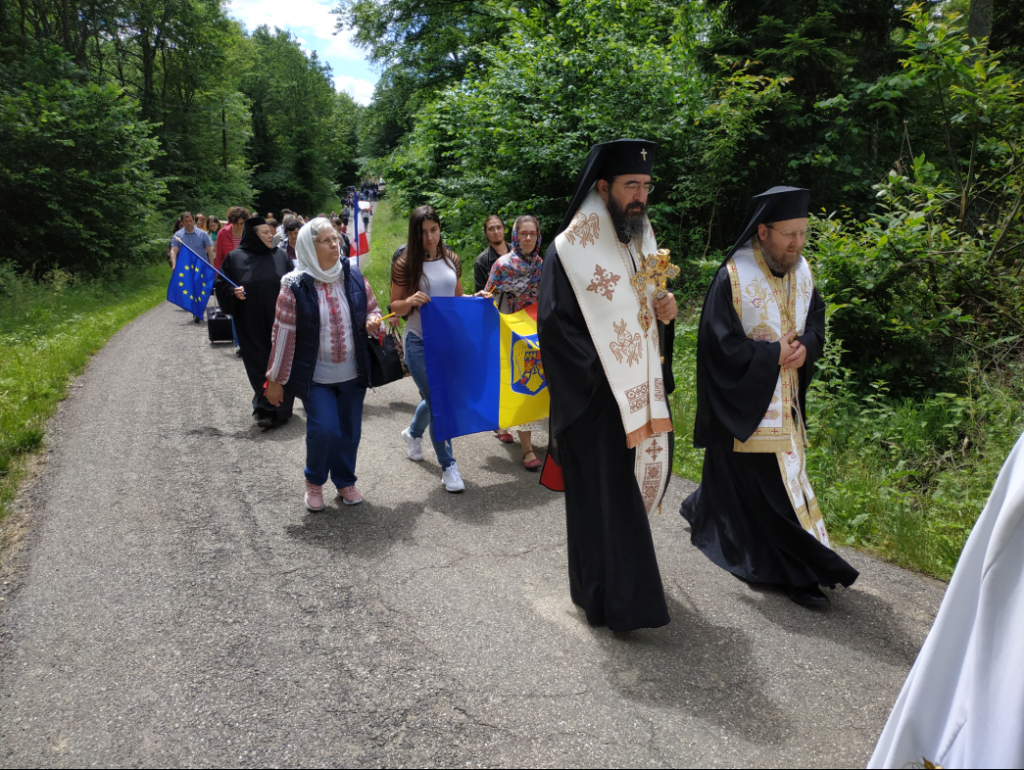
(175, 604)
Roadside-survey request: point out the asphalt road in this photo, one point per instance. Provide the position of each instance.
(174, 603)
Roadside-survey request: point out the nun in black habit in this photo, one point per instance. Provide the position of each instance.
(257, 268)
(613, 569)
(742, 516)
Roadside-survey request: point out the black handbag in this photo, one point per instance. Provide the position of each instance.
(386, 363)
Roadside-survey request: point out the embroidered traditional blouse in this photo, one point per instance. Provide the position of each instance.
(335, 360)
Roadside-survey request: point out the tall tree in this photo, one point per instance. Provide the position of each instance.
(293, 112)
(423, 46)
(825, 48)
(979, 19)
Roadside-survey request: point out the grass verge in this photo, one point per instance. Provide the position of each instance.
(48, 332)
(389, 230)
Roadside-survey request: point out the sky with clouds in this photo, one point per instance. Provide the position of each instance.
(312, 22)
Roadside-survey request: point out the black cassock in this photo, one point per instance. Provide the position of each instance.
(741, 516)
(613, 571)
(261, 275)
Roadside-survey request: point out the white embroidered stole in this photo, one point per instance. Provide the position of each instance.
(769, 308)
(624, 328)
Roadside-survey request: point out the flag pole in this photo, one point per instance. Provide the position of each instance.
(205, 262)
(355, 218)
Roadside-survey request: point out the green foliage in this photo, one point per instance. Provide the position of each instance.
(390, 230)
(1008, 31)
(302, 130)
(512, 139)
(688, 461)
(908, 477)
(826, 48)
(156, 106)
(934, 276)
(48, 331)
(76, 182)
(423, 46)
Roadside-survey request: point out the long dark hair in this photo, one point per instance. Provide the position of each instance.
(412, 272)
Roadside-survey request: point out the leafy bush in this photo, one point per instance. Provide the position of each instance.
(931, 284)
(511, 139)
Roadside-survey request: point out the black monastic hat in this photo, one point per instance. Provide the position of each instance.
(608, 160)
(776, 205)
(250, 241)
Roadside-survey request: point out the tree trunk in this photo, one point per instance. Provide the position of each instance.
(979, 19)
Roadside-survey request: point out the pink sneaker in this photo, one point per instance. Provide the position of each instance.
(350, 496)
(314, 497)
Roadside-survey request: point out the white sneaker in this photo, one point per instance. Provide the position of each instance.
(452, 479)
(415, 445)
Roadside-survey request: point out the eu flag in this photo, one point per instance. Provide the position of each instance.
(191, 283)
(484, 367)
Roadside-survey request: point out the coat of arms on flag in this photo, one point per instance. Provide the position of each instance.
(527, 367)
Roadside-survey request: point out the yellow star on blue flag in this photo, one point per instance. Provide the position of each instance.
(197, 278)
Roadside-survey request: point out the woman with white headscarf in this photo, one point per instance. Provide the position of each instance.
(324, 312)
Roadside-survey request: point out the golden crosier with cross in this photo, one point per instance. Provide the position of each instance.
(657, 270)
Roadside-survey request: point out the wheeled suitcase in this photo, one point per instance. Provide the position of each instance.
(218, 325)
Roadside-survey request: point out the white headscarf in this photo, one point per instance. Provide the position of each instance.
(305, 254)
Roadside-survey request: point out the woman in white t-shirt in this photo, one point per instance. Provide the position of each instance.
(426, 269)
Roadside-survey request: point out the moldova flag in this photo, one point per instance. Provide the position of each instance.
(484, 368)
(191, 282)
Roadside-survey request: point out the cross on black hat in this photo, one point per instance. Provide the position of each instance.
(607, 161)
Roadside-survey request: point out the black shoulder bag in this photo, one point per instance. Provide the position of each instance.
(386, 364)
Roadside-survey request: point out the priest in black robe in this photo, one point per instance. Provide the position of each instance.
(257, 268)
(750, 515)
(613, 570)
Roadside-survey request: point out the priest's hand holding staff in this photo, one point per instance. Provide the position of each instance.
(666, 308)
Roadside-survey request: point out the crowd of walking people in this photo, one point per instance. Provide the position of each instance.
(305, 318)
(302, 315)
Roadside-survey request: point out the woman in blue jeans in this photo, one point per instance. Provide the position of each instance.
(427, 268)
(324, 311)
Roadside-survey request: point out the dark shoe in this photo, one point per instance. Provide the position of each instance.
(810, 597)
(266, 422)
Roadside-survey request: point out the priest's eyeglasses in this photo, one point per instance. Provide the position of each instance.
(636, 186)
(791, 234)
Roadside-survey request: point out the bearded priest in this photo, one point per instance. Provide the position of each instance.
(606, 328)
(761, 331)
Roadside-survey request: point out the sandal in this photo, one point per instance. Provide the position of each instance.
(505, 438)
(533, 465)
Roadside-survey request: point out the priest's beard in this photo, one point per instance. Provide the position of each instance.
(778, 257)
(630, 221)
